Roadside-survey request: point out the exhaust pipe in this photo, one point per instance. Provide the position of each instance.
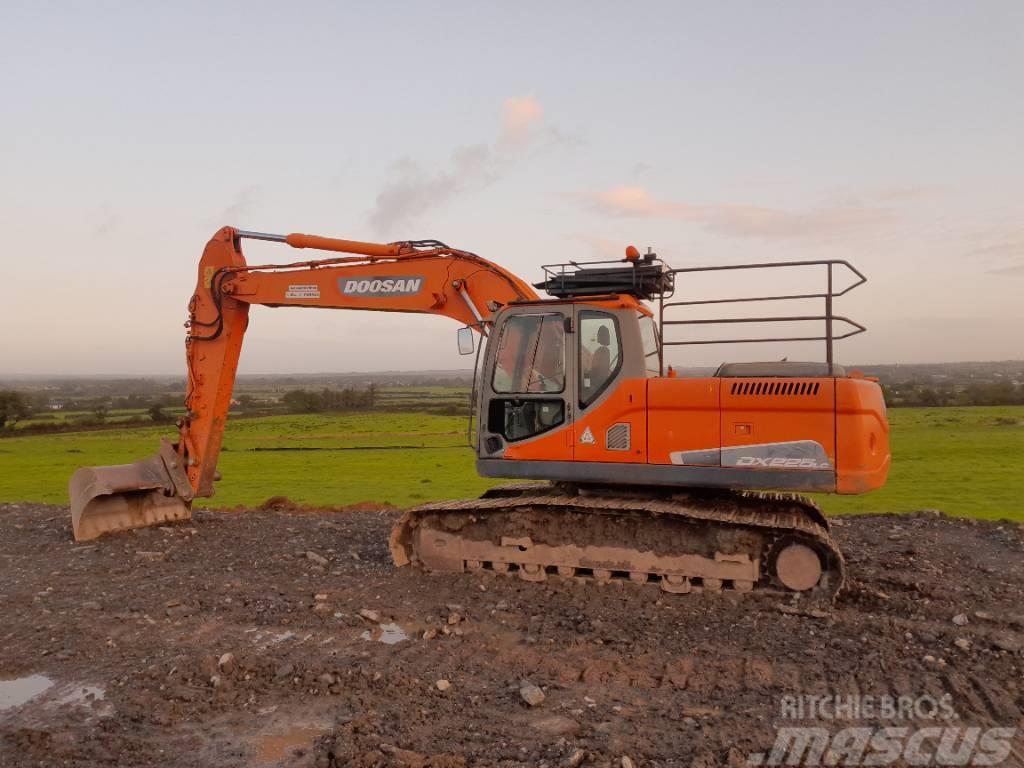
(117, 498)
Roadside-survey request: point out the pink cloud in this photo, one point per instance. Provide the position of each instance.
(411, 191)
(519, 116)
(738, 220)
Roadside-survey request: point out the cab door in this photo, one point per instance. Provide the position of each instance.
(611, 396)
(527, 403)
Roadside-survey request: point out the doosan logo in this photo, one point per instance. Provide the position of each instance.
(380, 286)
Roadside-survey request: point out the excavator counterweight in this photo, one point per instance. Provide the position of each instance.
(690, 483)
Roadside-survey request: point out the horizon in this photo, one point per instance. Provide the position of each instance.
(438, 371)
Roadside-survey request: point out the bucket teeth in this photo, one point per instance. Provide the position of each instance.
(117, 498)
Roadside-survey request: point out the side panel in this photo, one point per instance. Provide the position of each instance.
(683, 417)
(657, 474)
(615, 429)
(778, 423)
(862, 432)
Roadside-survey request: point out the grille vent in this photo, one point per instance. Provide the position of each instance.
(775, 388)
(617, 437)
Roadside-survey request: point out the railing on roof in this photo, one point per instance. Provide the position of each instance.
(828, 318)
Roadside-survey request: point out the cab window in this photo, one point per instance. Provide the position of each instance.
(649, 339)
(531, 355)
(600, 354)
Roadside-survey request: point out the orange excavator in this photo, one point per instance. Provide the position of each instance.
(627, 471)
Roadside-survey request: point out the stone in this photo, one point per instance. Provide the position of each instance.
(370, 615)
(1007, 641)
(443, 685)
(961, 619)
(962, 643)
(179, 611)
(626, 762)
(226, 663)
(556, 726)
(314, 557)
(531, 694)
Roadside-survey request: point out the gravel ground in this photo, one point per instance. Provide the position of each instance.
(280, 637)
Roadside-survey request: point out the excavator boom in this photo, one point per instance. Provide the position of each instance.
(415, 276)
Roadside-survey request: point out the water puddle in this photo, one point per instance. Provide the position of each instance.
(389, 634)
(272, 747)
(14, 693)
(82, 694)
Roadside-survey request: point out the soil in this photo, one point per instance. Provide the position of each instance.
(281, 637)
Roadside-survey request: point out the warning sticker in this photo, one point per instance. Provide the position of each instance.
(311, 291)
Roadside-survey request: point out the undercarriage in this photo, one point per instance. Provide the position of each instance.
(681, 541)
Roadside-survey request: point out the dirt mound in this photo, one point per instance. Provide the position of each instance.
(278, 638)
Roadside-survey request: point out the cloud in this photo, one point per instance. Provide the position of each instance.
(601, 247)
(520, 115)
(1002, 254)
(1001, 250)
(242, 204)
(107, 223)
(1013, 269)
(412, 191)
(738, 220)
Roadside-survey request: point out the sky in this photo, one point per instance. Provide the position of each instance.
(887, 134)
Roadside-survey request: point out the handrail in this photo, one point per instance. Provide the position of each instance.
(829, 318)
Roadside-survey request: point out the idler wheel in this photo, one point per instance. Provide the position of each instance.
(798, 567)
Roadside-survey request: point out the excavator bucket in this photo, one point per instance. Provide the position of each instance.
(146, 492)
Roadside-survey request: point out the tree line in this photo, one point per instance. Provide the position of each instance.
(327, 399)
(930, 395)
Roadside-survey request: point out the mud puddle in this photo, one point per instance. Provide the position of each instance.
(389, 634)
(272, 748)
(14, 693)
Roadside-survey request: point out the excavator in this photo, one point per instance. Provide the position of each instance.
(624, 470)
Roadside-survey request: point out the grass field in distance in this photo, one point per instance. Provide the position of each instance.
(963, 461)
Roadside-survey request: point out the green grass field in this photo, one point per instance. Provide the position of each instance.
(964, 461)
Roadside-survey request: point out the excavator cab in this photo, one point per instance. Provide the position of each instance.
(572, 390)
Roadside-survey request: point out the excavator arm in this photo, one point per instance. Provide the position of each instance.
(424, 277)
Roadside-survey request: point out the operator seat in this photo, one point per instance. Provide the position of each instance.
(601, 362)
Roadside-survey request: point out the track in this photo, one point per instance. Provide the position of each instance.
(682, 542)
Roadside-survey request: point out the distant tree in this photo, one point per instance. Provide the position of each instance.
(156, 412)
(371, 395)
(100, 411)
(13, 406)
(302, 401)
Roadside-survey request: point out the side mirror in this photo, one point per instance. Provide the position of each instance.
(465, 338)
